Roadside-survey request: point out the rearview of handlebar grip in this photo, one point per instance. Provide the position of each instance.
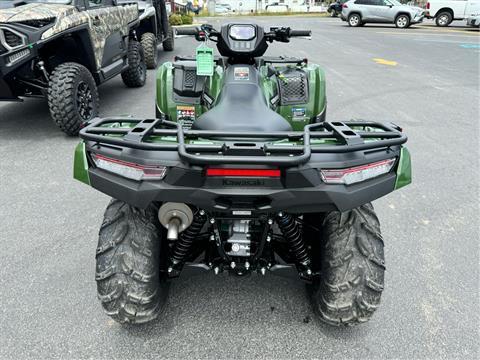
(192, 31)
(300, 33)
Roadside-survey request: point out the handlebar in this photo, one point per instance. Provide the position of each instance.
(282, 34)
(192, 31)
(303, 33)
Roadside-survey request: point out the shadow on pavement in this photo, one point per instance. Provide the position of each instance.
(28, 118)
(253, 301)
(31, 118)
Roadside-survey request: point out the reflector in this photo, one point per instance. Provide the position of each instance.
(356, 174)
(129, 170)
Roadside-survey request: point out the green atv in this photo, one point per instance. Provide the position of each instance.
(240, 173)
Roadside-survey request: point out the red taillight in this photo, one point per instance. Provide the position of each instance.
(428, 6)
(345, 6)
(243, 172)
(357, 174)
(128, 169)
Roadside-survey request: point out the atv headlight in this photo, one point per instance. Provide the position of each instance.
(129, 170)
(356, 174)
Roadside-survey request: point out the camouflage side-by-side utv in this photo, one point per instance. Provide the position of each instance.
(63, 49)
(154, 29)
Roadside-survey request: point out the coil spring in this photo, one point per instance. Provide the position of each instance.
(185, 240)
(293, 234)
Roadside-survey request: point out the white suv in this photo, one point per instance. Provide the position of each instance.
(360, 12)
(445, 11)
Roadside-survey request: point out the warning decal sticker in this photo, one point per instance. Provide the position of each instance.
(186, 116)
(241, 73)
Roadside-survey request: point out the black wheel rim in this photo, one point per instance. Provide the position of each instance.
(84, 101)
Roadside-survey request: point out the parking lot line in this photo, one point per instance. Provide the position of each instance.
(431, 28)
(385, 62)
(425, 33)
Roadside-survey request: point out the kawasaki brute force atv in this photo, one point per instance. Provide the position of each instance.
(63, 49)
(239, 174)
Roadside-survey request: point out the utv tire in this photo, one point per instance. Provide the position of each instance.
(72, 97)
(130, 257)
(169, 42)
(402, 21)
(354, 20)
(444, 18)
(149, 44)
(352, 270)
(136, 74)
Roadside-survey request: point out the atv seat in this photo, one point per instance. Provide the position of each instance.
(241, 106)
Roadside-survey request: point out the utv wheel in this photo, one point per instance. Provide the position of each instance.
(149, 44)
(354, 20)
(130, 256)
(402, 21)
(352, 267)
(72, 97)
(169, 42)
(136, 74)
(444, 19)
(333, 13)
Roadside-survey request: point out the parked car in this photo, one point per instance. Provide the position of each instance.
(276, 7)
(360, 12)
(473, 20)
(335, 8)
(222, 9)
(445, 11)
(226, 6)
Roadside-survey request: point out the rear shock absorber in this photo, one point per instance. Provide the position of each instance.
(292, 232)
(182, 246)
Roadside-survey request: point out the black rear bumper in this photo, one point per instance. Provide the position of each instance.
(298, 189)
(318, 198)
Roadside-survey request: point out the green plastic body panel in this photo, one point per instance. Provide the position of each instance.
(317, 96)
(165, 101)
(314, 107)
(404, 169)
(80, 164)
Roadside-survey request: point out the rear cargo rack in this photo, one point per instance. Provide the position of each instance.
(228, 147)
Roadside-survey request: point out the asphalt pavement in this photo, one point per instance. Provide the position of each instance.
(424, 79)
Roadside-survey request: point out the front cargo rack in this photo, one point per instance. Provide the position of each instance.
(236, 147)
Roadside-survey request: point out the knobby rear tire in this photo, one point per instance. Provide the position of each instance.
(352, 268)
(130, 257)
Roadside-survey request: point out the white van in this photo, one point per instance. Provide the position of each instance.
(445, 11)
